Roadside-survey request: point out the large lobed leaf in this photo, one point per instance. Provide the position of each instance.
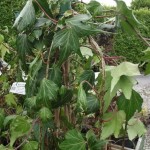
(30, 145)
(82, 101)
(130, 106)
(113, 124)
(89, 76)
(93, 105)
(79, 25)
(47, 92)
(45, 114)
(11, 99)
(65, 96)
(127, 19)
(23, 48)
(18, 128)
(26, 17)
(95, 8)
(126, 69)
(68, 42)
(73, 141)
(93, 142)
(135, 128)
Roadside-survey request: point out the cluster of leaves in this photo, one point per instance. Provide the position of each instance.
(56, 51)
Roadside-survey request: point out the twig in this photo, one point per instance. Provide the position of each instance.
(84, 81)
(54, 21)
(141, 37)
(48, 61)
(101, 91)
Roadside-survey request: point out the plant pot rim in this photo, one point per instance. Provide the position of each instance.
(139, 145)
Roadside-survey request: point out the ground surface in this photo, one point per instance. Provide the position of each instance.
(143, 87)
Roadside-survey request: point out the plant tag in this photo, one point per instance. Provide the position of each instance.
(18, 88)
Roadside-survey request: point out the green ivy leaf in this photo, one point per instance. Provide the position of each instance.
(109, 94)
(127, 19)
(11, 99)
(82, 101)
(1, 38)
(2, 147)
(73, 141)
(30, 102)
(86, 52)
(65, 5)
(35, 66)
(130, 106)
(37, 33)
(41, 22)
(3, 50)
(93, 142)
(48, 92)
(8, 119)
(26, 17)
(45, 114)
(113, 124)
(68, 42)
(95, 8)
(135, 128)
(126, 85)
(125, 68)
(56, 75)
(23, 47)
(80, 27)
(87, 75)
(93, 104)
(34, 70)
(65, 96)
(30, 145)
(18, 128)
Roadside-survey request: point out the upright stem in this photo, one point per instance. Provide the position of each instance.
(66, 83)
(101, 91)
(125, 130)
(48, 61)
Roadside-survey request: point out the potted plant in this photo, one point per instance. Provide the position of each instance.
(65, 106)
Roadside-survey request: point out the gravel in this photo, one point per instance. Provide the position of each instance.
(143, 87)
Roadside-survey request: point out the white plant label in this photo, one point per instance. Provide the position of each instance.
(18, 88)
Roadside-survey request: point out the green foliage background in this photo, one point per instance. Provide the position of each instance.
(8, 9)
(137, 4)
(130, 46)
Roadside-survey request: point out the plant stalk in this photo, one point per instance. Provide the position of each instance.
(124, 135)
(101, 91)
(48, 61)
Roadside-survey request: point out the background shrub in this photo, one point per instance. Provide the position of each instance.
(8, 9)
(137, 4)
(130, 46)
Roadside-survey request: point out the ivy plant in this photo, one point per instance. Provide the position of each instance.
(66, 106)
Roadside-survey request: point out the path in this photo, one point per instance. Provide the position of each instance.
(143, 88)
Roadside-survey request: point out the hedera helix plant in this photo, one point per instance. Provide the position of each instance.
(66, 106)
